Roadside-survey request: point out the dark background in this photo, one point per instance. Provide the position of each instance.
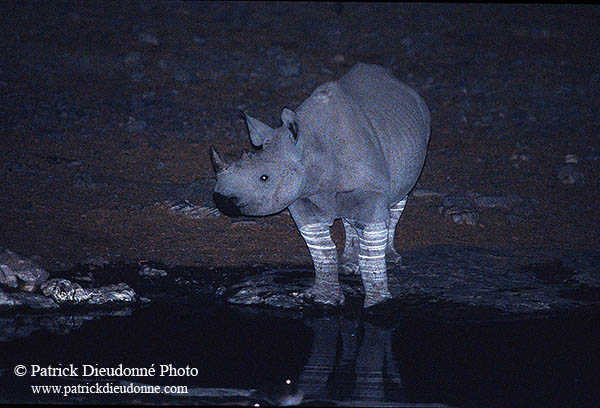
(108, 110)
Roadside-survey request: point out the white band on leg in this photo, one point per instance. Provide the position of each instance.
(373, 242)
(322, 250)
(395, 213)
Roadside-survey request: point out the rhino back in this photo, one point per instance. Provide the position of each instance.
(398, 118)
(330, 122)
(374, 128)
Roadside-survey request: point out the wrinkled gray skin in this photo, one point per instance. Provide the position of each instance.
(353, 150)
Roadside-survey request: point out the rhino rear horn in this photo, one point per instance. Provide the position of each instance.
(217, 162)
(288, 117)
(259, 132)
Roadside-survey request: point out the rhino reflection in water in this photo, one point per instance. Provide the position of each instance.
(350, 360)
(353, 150)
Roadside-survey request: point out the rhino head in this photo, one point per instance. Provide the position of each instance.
(266, 181)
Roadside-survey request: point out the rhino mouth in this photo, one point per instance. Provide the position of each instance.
(227, 205)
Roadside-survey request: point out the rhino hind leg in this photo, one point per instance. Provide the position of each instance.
(393, 258)
(349, 264)
(326, 289)
(371, 259)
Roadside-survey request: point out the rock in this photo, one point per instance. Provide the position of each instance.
(424, 193)
(339, 59)
(243, 223)
(164, 65)
(497, 201)
(75, 163)
(6, 300)
(65, 291)
(459, 216)
(135, 126)
(524, 147)
(510, 281)
(568, 174)
(283, 300)
(459, 209)
(152, 272)
(267, 289)
(186, 208)
(148, 38)
(195, 286)
(571, 158)
(516, 160)
(406, 42)
(8, 277)
(246, 297)
(27, 275)
(457, 201)
(120, 293)
(34, 301)
(30, 300)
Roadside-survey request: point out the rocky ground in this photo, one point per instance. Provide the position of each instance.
(108, 111)
(456, 283)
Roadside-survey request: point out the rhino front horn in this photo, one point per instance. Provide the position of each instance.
(217, 162)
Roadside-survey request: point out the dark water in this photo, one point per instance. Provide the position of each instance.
(418, 358)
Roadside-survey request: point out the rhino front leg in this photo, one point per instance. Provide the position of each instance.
(326, 288)
(349, 264)
(371, 260)
(393, 258)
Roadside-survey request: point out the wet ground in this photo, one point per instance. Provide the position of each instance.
(252, 340)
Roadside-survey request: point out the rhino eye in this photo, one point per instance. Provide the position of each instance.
(264, 177)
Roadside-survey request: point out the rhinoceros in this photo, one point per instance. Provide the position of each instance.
(353, 149)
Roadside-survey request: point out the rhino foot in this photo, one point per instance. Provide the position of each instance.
(392, 258)
(350, 268)
(327, 295)
(372, 299)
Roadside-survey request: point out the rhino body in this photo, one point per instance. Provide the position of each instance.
(353, 150)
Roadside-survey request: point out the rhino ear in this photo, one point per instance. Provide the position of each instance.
(217, 162)
(259, 132)
(288, 117)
